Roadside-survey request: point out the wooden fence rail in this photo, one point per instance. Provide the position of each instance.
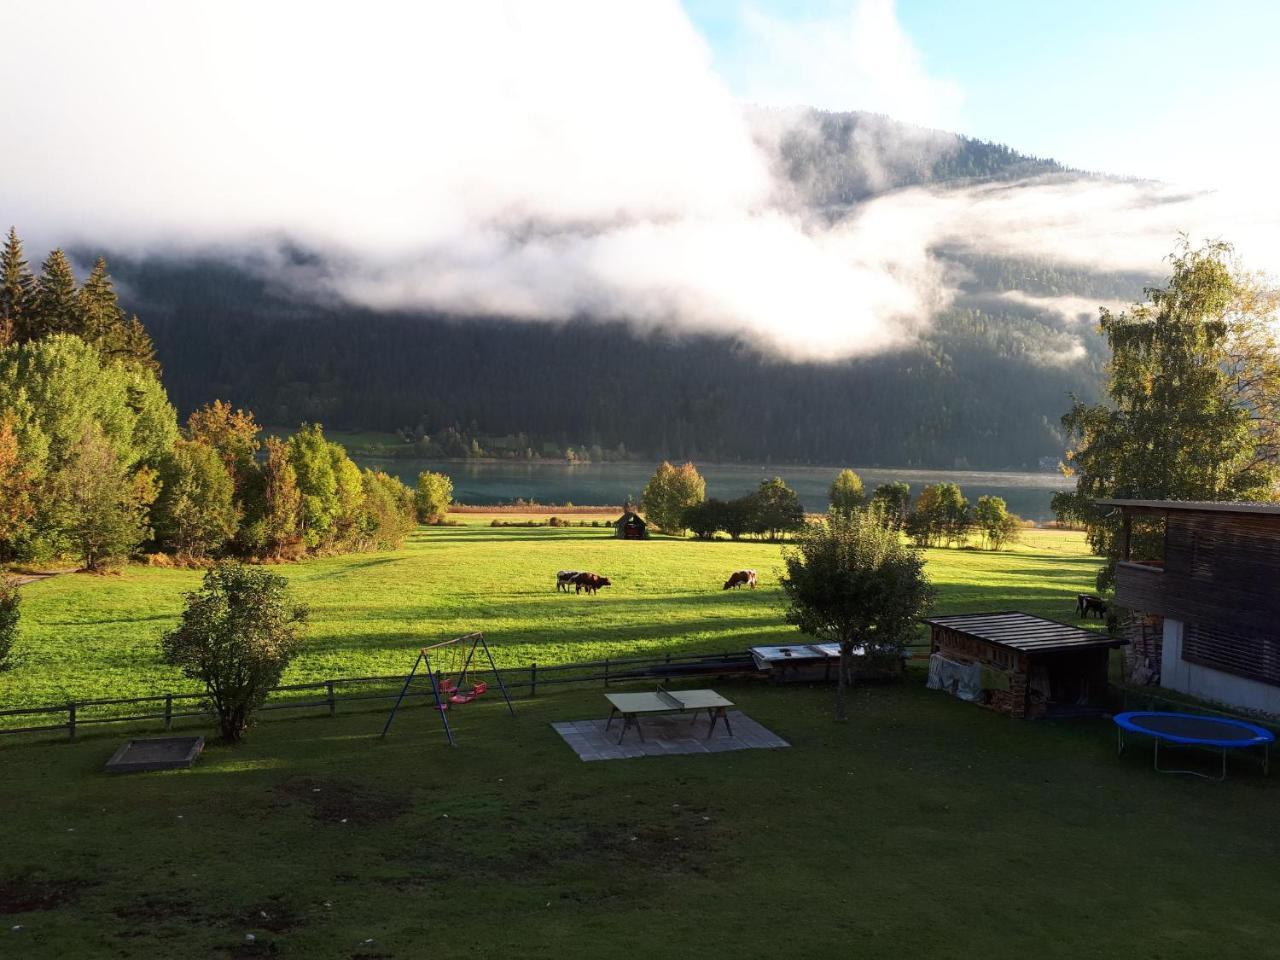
(184, 706)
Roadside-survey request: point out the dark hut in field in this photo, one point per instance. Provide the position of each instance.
(630, 526)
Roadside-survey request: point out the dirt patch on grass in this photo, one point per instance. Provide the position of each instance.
(156, 909)
(335, 801)
(274, 915)
(24, 894)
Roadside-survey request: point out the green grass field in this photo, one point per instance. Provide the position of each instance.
(923, 827)
(91, 637)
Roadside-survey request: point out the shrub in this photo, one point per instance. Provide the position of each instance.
(846, 494)
(9, 616)
(852, 581)
(237, 635)
(433, 496)
(669, 492)
(196, 513)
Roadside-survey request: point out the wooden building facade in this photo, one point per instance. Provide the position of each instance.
(1022, 665)
(1209, 608)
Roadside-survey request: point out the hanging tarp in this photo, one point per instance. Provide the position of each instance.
(963, 680)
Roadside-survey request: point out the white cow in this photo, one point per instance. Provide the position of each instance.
(564, 579)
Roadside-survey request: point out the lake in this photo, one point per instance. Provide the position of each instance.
(484, 482)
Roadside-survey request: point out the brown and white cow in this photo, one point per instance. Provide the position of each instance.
(739, 577)
(590, 582)
(564, 580)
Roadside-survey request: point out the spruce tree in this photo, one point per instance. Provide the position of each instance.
(56, 304)
(99, 309)
(17, 286)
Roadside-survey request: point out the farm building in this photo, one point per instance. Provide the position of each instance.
(630, 526)
(1206, 612)
(1018, 664)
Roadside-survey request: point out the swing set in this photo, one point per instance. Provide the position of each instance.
(451, 676)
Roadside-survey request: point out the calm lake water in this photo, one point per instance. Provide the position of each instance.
(492, 482)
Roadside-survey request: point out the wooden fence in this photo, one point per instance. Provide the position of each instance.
(166, 708)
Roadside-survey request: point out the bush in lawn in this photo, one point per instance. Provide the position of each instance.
(775, 509)
(668, 493)
(237, 635)
(846, 493)
(852, 581)
(996, 524)
(433, 496)
(9, 616)
(892, 502)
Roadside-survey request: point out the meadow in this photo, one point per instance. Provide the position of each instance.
(923, 827)
(86, 636)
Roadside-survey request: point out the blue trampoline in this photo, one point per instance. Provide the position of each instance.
(1192, 730)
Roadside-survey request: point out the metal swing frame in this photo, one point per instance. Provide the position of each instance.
(473, 641)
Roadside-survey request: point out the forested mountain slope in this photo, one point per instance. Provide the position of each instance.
(983, 387)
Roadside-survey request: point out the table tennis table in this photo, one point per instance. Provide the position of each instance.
(633, 705)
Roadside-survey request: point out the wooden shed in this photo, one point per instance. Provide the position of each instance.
(631, 526)
(1022, 665)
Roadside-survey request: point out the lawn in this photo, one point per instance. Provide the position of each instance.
(923, 827)
(90, 637)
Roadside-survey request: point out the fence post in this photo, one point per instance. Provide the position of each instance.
(606, 671)
(71, 720)
(333, 703)
(168, 710)
(533, 679)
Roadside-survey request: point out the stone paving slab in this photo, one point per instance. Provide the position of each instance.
(665, 735)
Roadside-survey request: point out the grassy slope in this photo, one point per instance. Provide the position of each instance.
(86, 636)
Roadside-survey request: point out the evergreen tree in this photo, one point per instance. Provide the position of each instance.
(17, 286)
(100, 312)
(56, 306)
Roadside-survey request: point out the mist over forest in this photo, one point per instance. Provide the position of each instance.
(981, 381)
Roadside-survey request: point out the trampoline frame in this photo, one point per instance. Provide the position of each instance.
(1262, 738)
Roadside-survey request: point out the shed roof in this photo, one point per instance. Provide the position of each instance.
(1192, 506)
(630, 516)
(1024, 633)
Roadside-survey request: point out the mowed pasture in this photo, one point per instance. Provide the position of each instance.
(86, 636)
(923, 827)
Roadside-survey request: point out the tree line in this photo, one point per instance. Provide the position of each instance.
(675, 501)
(95, 466)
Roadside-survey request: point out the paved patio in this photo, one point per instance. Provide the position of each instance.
(665, 735)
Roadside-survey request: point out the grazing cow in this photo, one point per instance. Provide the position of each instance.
(590, 582)
(564, 579)
(739, 577)
(1088, 603)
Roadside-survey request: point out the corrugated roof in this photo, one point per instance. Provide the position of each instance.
(1196, 506)
(1023, 632)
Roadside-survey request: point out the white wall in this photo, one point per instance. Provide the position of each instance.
(1210, 684)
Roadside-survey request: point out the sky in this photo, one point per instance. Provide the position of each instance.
(1147, 88)
(570, 158)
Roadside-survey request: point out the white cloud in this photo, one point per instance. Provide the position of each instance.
(535, 160)
(858, 58)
